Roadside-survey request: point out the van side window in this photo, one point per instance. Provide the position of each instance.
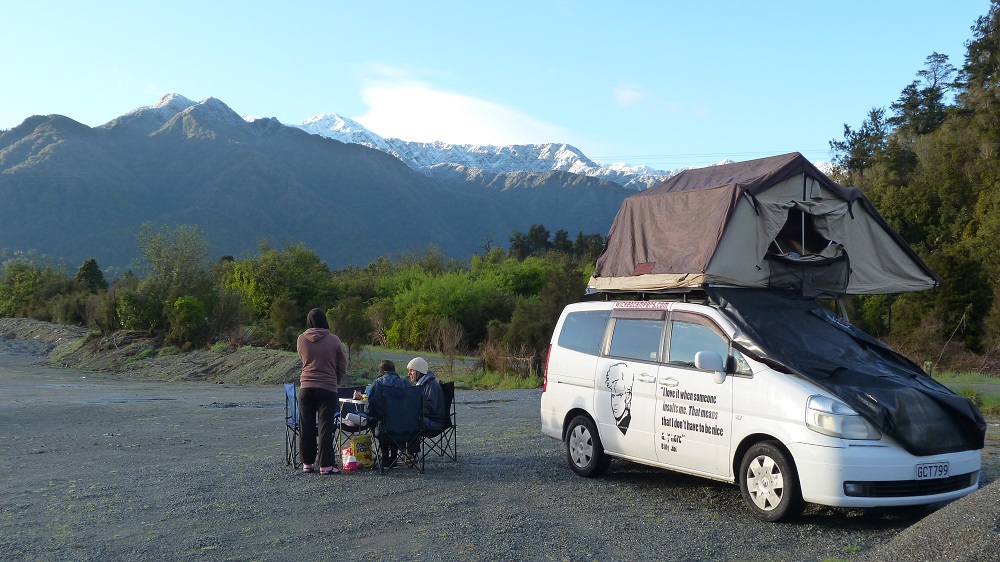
(636, 339)
(690, 335)
(584, 331)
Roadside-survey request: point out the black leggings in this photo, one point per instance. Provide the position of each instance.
(317, 404)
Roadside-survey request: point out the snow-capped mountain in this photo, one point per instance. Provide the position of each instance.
(434, 159)
(423, 156)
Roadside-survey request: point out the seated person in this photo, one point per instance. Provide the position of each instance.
(387, 377)
(434, 418)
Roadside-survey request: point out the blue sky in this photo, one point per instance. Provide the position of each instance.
(663, 83)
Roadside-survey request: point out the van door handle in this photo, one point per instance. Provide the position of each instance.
(669, 381)
(645, 377)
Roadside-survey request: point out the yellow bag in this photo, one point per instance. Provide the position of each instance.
(361, 446)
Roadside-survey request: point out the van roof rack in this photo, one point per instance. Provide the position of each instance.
(697, 295)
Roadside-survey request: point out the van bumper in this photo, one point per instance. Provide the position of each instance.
(551, 423)
(880, 475)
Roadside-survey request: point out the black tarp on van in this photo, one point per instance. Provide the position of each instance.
(799, 335)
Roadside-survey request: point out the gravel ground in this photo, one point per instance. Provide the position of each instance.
(98, 468)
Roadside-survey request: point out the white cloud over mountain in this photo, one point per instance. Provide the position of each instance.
(402, 105)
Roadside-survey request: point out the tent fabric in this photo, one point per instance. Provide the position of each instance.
(797, 335)
(718, 224)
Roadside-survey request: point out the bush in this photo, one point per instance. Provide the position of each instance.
(972, 394)
(188, 321)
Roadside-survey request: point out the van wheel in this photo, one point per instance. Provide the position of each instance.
(769, 483)
(584, 450)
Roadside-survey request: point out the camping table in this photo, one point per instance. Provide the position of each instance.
(359, 406)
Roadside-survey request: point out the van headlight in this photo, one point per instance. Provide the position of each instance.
(830, 417)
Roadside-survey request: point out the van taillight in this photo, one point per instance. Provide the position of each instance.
(545, 378)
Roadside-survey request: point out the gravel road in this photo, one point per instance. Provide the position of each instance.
(94, 468)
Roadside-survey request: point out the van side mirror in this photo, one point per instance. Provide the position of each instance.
(711, 361)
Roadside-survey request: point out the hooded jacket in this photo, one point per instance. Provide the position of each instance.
(324, 360)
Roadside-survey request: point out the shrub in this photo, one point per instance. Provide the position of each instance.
(188, 321)
(972, 394)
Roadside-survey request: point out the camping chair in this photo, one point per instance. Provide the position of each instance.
(400, 427)
(444, 442)
(291, 427)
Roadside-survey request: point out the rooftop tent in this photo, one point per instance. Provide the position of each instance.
(773, 222)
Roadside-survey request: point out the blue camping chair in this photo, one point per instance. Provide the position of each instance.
(292, 427)
(444, 442)
(399, 428)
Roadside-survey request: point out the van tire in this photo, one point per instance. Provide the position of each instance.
(769, 483)
(584, 450)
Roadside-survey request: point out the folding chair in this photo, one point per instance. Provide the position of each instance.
(444, 442)
(291, 427)
(400, 427)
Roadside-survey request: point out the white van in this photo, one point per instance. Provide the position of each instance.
(662, 383)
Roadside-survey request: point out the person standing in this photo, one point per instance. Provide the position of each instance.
(324, 363)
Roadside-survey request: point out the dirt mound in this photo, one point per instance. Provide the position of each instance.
(137, 355)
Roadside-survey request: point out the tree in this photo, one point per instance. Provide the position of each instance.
(174, 261)
(861, 149)
(174, 258)
(922, 108)
(561, 243)
(294, 273)
(188, 322)
(980, 74)
(349, 320)
(538, 240)
(534, 243)
(91, 276)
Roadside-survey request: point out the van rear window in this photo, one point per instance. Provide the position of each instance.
(583, 331)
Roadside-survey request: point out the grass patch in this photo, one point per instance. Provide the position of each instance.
(962, 383)
(491, 380)
(988, 402)
(379, 350)
(73, 347)
(464, 371)
(965, 377)
(169, 350)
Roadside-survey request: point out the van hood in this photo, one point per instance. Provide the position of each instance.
(799, 335)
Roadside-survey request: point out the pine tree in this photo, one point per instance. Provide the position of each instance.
(91, 276)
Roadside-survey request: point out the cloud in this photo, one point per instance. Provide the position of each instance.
(637, 97)
(628, 95)
(402, 107)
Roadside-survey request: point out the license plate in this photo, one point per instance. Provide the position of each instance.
(931, 470)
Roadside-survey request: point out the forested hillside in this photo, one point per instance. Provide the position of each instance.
(930, 162)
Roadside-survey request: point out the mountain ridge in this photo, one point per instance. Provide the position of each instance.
(76, 192)
(547, 157)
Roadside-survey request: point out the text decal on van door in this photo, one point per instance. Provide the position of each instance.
(620, 385)
(689, 416)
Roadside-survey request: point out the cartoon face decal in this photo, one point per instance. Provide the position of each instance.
(620, 385)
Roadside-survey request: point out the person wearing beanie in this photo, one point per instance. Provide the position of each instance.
(433, 418)
(324, 363)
